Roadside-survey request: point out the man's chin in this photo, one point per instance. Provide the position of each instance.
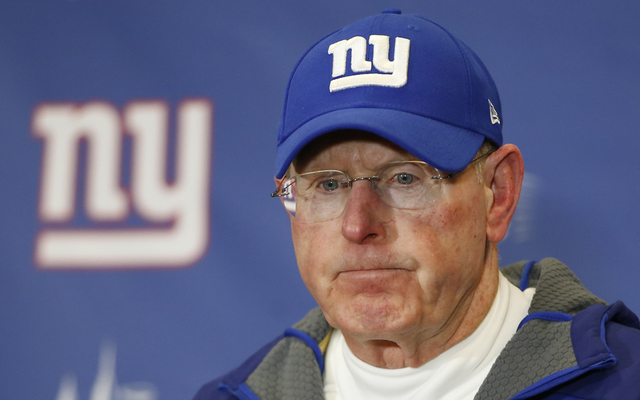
(374, 321)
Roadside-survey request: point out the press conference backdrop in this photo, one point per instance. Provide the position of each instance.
(141, 254)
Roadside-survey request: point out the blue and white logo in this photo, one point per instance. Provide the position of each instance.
(173, 217)
(392, 73)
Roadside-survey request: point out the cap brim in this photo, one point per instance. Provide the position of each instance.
(443, 146)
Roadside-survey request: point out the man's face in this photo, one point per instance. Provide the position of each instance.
(378, 272)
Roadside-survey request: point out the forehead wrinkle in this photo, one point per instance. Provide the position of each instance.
(372, 157)
(331, 157)
(362, 150)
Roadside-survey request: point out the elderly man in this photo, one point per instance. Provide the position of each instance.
(392, 167)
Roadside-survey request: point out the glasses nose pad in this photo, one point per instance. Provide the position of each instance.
(382, 192)
(373, 181)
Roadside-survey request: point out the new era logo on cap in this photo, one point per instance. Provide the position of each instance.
(493, 113)
(394, 72)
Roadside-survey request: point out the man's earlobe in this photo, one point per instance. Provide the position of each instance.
(504, 171)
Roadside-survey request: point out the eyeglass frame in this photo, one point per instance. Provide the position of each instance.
(350, 181)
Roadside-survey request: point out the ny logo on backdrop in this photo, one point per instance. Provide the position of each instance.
(123, 212)
(393, 73)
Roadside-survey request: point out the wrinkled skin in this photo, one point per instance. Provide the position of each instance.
(405, 285)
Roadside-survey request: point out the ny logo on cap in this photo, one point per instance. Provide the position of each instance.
(394, 73)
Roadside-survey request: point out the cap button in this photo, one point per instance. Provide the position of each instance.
(392, 11)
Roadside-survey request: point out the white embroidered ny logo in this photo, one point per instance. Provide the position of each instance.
(394, 73)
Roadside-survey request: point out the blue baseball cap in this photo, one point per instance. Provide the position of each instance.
(401, 77)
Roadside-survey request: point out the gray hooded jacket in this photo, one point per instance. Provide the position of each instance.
(570, 346)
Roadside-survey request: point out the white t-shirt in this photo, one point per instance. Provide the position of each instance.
(455, 374)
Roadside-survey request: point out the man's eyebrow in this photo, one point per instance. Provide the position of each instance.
(399, 158)
(375, 167)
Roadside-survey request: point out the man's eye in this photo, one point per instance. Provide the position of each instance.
(330, 184)
(404, 179)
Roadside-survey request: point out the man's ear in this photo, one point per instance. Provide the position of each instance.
(503, 173)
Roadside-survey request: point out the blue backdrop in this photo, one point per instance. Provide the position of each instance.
(140, 252)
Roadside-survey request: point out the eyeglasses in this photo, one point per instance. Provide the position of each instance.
(322, 195)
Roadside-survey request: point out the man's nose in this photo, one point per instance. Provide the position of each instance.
(364, 214)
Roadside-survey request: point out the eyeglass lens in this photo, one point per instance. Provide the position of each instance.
(322, 195)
